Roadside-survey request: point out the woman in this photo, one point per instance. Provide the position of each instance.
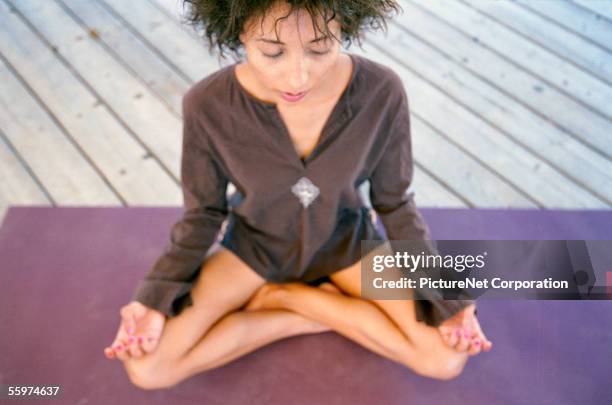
(296, 128)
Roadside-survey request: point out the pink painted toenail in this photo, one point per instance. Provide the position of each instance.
(139, 339)
(457, 333)
(477, 342)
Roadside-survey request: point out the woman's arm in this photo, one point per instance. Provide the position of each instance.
(389, 184)
(167, 285)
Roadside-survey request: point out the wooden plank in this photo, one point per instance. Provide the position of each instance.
(428, 192)
(18, 185)
(549, 36)
(125, 94)
(475, 182)
(131, 50)
(431, 193)
(177, 11)
(547, 66)
(173, 8)
(575, 18)
(61, 167)
(511, 119)
(507, 158)
(121, 159)
(180, 49)
(469, 178)
(590, 128)
(599, 7)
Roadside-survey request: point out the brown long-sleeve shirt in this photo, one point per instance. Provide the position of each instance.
(297, 220)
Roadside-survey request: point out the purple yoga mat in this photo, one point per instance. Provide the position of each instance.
(67, 271)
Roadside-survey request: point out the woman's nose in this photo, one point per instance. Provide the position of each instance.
(298, 76)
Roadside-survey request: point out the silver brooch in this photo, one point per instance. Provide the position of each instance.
(305, 191)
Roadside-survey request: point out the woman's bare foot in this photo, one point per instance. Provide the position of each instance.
(463, 332)
(268, 296)
(138, 333)
(331, 287)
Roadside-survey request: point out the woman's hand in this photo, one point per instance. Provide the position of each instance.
(463, 332)
(139, 331)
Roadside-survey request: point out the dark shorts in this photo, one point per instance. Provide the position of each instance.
(217, 246)
(319, 281)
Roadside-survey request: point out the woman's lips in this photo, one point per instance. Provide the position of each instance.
(292, 97)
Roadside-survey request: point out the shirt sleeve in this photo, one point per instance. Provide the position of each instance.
(168, 284)
(395, 206)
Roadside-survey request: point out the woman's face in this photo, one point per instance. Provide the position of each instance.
(301, 60)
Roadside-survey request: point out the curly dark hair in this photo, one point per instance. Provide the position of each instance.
(223, 21)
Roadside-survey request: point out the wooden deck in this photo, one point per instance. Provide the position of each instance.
(511, 101)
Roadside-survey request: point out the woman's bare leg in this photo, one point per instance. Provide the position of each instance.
(426, 352)
(392, 332)
(213, 331)
(242, 332)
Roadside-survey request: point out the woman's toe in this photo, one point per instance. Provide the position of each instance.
(134, 347)
(475, 347)
(486, 343)
(109, 353)
(464, 342)
(120, 351)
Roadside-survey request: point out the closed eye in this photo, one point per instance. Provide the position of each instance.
(280, 53)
